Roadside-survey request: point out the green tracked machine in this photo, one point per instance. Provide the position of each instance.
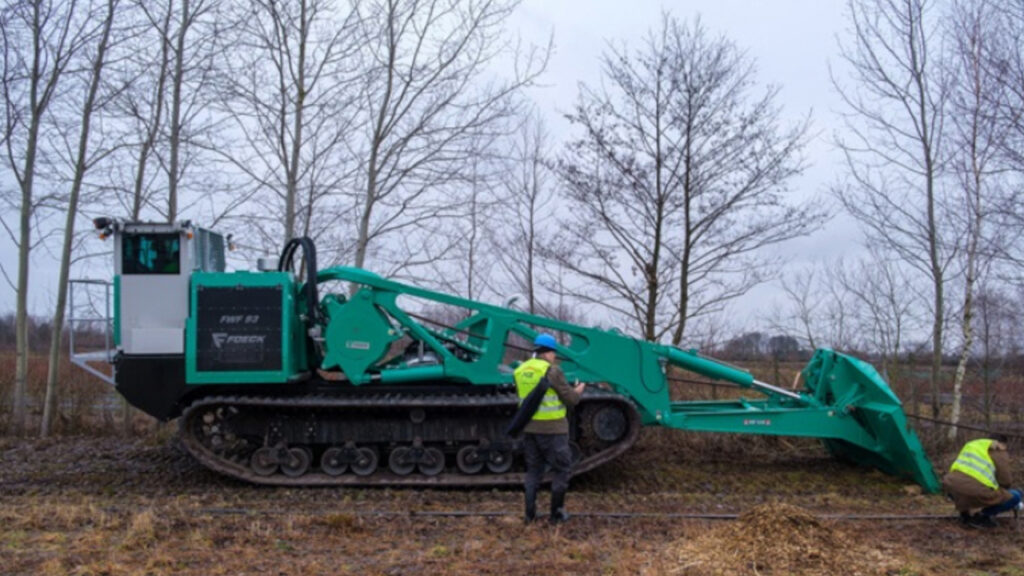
(309, 377)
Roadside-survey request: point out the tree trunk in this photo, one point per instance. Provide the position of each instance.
(20, 400)
(684, 261)
(154, 128)
(531, 229)
(179, 65)
(363, 240)
(50, 404)
(937, 348)
(300, 100)
(986, 375)
(965, 354)
(19, 409)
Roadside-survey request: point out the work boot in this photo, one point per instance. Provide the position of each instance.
(531, 506)
(983, 521)
(558, 513)
(965, 519)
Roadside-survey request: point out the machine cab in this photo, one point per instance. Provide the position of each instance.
(153, 263)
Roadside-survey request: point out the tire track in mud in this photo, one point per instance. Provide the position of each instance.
(643, 481)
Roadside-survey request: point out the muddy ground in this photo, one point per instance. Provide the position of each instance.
(106, 506)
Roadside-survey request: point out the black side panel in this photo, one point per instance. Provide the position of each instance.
(153, 384)
(238, 329)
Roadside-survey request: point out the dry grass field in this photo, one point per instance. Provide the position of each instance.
(102, 506)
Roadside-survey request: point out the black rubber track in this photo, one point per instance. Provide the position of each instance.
(189, 424)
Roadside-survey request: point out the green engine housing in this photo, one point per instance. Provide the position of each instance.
(242, 328)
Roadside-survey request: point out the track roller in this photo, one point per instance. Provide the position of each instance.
(337, 460)
(431, 462)
(401, 461)
(468, 460)
(499, 461)
(297, 461)
(334, 461)
(263, 461)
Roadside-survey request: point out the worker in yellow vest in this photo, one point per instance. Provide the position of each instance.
(546, 435)
(979, 480)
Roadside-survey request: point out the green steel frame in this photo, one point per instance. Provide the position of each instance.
(843, 401)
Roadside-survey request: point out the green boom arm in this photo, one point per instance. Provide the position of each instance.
(843, 400)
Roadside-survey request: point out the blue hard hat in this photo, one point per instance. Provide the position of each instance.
(545, 341)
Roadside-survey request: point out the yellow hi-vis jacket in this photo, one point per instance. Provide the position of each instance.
(975, 462)
(527, 376)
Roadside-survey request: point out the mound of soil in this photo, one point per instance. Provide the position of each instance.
(775, 539)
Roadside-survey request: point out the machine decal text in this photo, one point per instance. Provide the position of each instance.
(240, 319)
(221, 338)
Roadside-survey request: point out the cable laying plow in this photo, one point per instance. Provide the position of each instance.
(277, 385)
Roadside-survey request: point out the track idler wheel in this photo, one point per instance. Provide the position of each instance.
(609, 424)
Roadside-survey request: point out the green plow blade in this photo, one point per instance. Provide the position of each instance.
(855, 387)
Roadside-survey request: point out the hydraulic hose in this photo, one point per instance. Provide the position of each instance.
(286, 263)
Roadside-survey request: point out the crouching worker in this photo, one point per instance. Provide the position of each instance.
(980, 479)
(546, 439)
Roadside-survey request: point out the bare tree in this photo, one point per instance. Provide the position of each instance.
(884, 310)
(678, 178)
(196, 41)
(142, 103)
(427, 99)
(837, 313)
(527, 212)
(295, 73)
(40, 39)
(997, 324)
(82, 161)
(977, 139)
(821, 305)
(475, 261)
(466, 268)
(1005, 60)
(1010, 63)
(188, 48)
(893, 143)
(803, 293)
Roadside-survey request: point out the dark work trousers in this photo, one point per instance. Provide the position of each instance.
(545, 451)
(1015, 497)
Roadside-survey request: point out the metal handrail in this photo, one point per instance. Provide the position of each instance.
(82, 359)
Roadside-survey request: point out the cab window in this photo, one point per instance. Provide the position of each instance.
(151, 254)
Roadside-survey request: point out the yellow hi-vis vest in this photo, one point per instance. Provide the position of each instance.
(527, 376)
(976, 463)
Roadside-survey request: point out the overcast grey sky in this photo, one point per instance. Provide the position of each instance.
(791, 40)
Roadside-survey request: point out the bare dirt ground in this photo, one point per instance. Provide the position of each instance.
(106, 506)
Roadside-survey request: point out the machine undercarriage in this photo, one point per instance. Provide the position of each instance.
(408, 438)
